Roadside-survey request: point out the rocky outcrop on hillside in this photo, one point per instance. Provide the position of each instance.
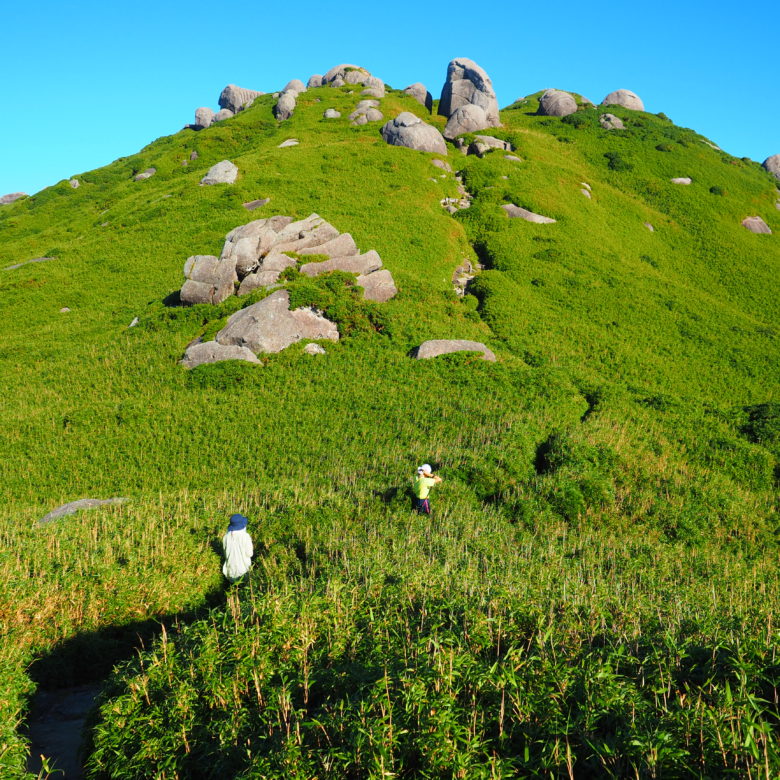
(772, 164)
(611, 122)
(236, 99)
(366, 111)
(147, 174)
(468, 84)
(625, 98)
(410, 131)
(420, 93)
(435, 347)
(214, 352)
(11, 197)
(555, 102)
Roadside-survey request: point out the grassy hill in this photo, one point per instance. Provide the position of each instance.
(596, 593)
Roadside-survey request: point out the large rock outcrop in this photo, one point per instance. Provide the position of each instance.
(555, 102)
(410, 131)
(625, 98)
(208, 279)
(436, 347)
(11, 197)
(346, 74)
(466, 119)
(285, 106)
(270, 326)
(772, 164)
(468, 84)
(366, 111)
(237, 98)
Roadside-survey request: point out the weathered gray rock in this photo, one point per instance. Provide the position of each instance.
(513, 158)
(348, 74)
(295, 85)
(442, 164)
(529, 216)
(331, 113)
(193, 155)
(555, 102)
(611, 122)
(420, 93)
(74, 183)
(288, 143)
(410, 131)
(649, 227)
(64, 310)
(285, 106)
(337, 82)
(681, 180)
(373, 92)
(466, 119)
(314, 349)
(237, 98)
(77, 506)
(305, 233)
(772, 164)
(223, 113)
(270, 326)
(214, 352)
(204, 116)
(11, 197)
(625, 98)
(255, 204)
(342, 245)
(378, 286)
(27, 262)
(208, 279)
(436, 347)
(223, 172)
(356, 264)
(467, 83)
(147, 174)
(756, 225)
(360, 119)
(482, 144)
(314, 81)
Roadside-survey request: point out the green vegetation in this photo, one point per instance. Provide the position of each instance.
(597, 592)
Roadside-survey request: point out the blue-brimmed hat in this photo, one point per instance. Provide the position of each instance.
(237, 523)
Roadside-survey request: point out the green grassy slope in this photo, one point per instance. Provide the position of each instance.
(609, 483)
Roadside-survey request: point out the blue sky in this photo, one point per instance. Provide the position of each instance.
(84, 83)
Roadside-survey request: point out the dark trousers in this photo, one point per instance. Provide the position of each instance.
(422, 506)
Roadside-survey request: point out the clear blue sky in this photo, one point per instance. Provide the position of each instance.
(84, 83)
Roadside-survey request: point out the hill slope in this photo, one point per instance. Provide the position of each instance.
(585, 595)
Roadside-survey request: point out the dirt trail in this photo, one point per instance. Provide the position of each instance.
(55, 725)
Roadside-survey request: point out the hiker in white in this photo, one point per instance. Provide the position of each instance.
(237, 545)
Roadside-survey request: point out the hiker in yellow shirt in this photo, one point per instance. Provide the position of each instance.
(422, 487)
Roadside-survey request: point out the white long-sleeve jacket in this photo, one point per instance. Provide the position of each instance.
(238, 553)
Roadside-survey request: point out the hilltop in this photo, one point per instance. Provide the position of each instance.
(595, 592)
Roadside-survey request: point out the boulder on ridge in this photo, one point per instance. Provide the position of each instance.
(237, 98)
(467, 83)
(625, 98)
(314, 81)
(420, 93)
(204, 116)
(285, 106)
(466, 119)
(772, 164)
(11, 197)
(556, 102)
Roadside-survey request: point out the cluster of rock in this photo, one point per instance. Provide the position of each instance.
(467, 99)
(232, 99)
(254, 256)
(343, 74)
(11, 197)
(288, 97)
(482, 144)
(366, 111)
(611, 122)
